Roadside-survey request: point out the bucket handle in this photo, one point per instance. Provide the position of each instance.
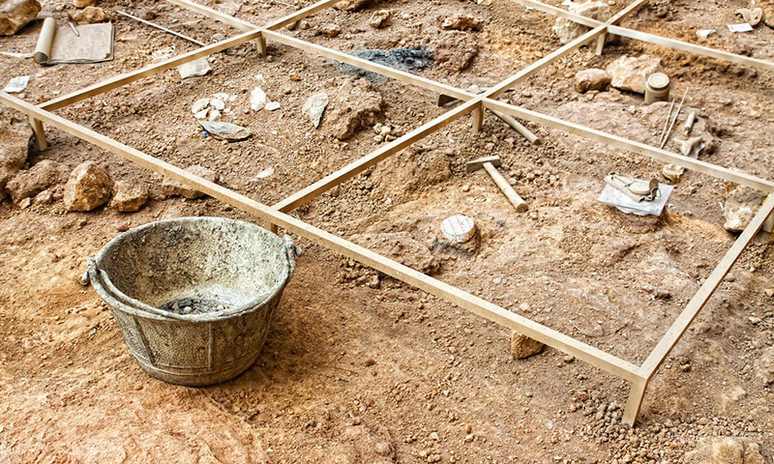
(110, 291)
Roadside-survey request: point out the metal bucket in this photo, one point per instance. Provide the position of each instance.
(193, 297)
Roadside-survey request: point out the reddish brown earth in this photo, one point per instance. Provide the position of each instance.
(357, 372)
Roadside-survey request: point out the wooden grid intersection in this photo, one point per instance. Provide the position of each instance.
(276, 215)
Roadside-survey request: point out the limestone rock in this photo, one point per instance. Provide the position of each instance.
(629, 73)
(89, 186)
(129, 197)
(90, 15)
(740, 206)
(725, 450)
(15, 135)
(764, 366)
(592, 79)
(381, 18)
(29, 183)
(172, 188)
(523, 346)
(353, 5)
(359, 104)
(84, 3)
(462, 22)
(15, 14)
(330, 30)
(314, 107)
(672, 172)
(453, 51)
(567, 30)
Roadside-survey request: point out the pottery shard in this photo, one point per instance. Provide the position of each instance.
(567, 30)
(629, 73)
(129, 197)
(172, 188)
(725, 450)
(15, 14)
(358, 105)
(90, 15)
(29, 183)
(591, 79)
(740, 206)
(462, 23)
(381, 18)
(764, 366)
(523, 346)
(89, 186)
(15, 136)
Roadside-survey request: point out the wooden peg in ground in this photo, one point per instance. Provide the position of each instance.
(489, 164)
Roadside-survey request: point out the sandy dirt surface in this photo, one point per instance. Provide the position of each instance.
(359, 367)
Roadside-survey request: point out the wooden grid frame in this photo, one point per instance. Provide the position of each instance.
(277, 215)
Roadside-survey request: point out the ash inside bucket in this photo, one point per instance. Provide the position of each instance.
(197, 305)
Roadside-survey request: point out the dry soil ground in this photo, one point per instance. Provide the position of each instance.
(358, 372)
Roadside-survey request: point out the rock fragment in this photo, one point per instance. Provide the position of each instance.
(89, 186)
(194, 68)
(453, 51)
(567, 30)
(314, 107)
(29, 183)
(352, 5)
(226, 131)
(172, 188)
(358, 105)
(592, 79)
(15, 135)
(129, 197)
(740, 206)
(90, 15)
(629, 73)
(330, 30)
(462, 22)
(764, 366)
(15, 14)
(381, 18)
(725, 450)
(258, 99)
(672, 172)
(523, 346)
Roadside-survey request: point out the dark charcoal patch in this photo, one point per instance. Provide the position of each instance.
(404, 59)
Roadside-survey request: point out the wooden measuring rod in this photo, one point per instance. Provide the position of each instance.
(489, 164)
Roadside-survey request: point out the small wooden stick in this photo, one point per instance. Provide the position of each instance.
(161, 28)
(518, 127)
(506, 188)
(666, 121)
(663, 142)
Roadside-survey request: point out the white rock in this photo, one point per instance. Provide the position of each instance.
(567, 30)
(200, 104)
(202, 114)
(218, 104)
(214, 115)
(271, 106)
(194, 68)
(314, 107)
(258, 99)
